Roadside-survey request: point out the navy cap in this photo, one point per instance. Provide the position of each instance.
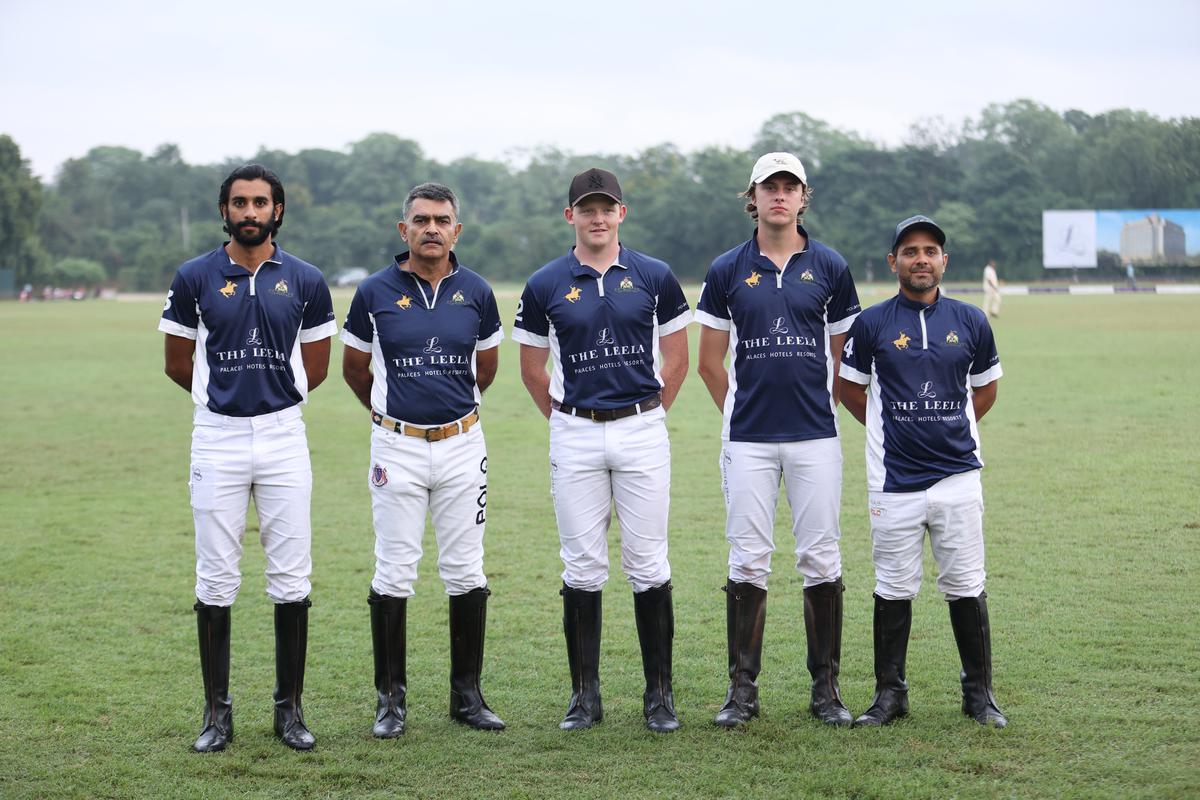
(919, 222)
(593, 181)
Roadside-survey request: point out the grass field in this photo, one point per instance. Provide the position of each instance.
(1093, 527)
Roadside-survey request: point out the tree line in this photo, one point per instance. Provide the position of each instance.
(116, 216)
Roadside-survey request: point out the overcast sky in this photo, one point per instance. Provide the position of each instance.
(489, 79)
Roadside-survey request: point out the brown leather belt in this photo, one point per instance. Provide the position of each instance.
(435, 434)
(608, 414)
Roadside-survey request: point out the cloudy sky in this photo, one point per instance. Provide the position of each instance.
(493, 79)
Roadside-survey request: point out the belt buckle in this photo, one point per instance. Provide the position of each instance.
(433, 434)
(593, 415)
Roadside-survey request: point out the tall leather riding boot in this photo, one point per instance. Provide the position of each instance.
(745, 618)
(893, 621)
(969, 618)
(823, 625)
(656, 632)
(581, 626)
(468, 623)
(212, 622)
(388, 634)
(291, 645)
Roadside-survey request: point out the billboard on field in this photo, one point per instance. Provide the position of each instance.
(1145, 237)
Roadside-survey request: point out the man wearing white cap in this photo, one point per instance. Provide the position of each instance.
(780, 305)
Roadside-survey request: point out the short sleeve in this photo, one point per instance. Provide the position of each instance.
(985, 367)
(490, 330)
(318, 322)
(712, 310)
(180, 316)
(843, 304)
(531, 326)
(672, 311)
(358, 332)
(857, 354)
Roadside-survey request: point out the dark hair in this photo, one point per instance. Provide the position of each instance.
(752, 209)
(431, 191)
(254, 172)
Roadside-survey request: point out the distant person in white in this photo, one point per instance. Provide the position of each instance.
(1129, 276)
(991, 289)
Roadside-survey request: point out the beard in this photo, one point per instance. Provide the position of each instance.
(918, 284)
(250, 234)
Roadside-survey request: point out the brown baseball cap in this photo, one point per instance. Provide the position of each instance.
(593, 181)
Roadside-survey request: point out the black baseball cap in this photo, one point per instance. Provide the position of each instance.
(593, 181)
(919, 222)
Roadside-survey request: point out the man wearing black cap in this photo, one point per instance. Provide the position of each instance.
(932, 368)
(615, 321)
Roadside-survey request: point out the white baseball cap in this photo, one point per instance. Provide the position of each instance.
(771, 163)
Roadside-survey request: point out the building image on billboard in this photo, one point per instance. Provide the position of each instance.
(1153, 239)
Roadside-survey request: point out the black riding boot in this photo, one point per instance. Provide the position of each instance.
(745, 618)
(212, 622)
(656, 631)
(893, 621)
(581, 626)
(391, 681)
(969, 618)
(468, 622)
(291, 645)
(823, 625)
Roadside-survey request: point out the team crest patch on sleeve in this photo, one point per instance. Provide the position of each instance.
(458, 298)
(753, 280)
(902, 341)
(229, 289)
(806, 275)
(378, 475)
(952, 337)
(281, 287)
(404, 302)
(573, 295)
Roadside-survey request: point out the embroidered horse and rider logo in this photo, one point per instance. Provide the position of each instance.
(573, 295)
(229, 289)
(404, 302)
(902, 342)
(753, 280)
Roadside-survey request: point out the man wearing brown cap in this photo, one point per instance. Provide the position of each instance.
(615, 321)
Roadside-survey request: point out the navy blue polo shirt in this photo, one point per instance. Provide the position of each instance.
(422, 341)
(779, 324)
(602, 331)
(920, 363)
(248, 329)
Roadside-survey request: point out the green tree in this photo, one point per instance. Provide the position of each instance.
(20, 205)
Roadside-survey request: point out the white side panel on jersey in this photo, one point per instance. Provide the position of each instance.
(200, 367)
(829, 376)
(300, 375)
(727, 409)
(654, 334)
(875, 469)
(970, 412)
(379, 376)
(556, 375)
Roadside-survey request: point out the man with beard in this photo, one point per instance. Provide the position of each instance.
(932, 369)
(262, 319)
(421, 345)
(615, 321)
